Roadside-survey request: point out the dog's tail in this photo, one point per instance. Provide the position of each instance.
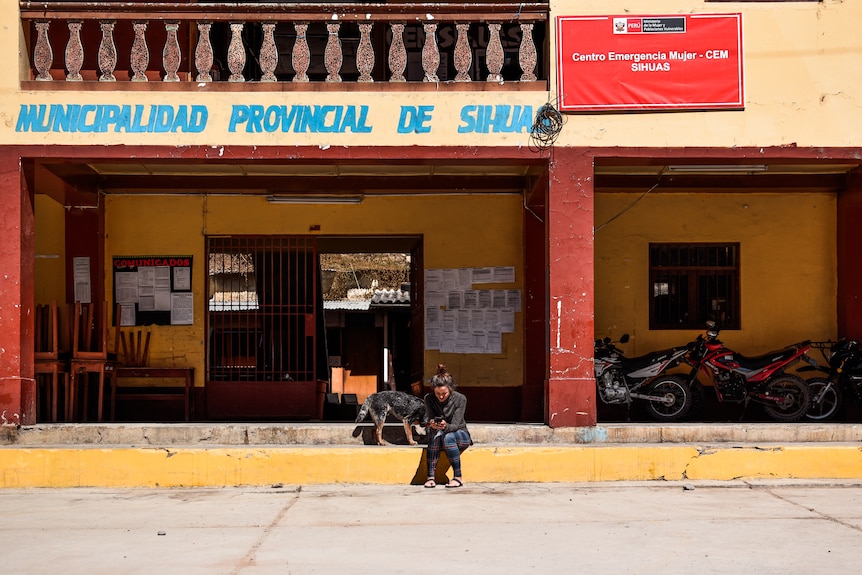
(363, 411)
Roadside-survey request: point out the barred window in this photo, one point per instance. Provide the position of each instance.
(693, 283)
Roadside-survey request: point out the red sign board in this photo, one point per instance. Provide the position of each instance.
(676, 62)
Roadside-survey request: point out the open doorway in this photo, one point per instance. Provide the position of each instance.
(366, 308)
(370, 301)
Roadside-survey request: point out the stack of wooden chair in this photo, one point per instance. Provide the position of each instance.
(90, 356)
(51, 363)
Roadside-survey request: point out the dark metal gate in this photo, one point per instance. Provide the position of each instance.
(261, 327)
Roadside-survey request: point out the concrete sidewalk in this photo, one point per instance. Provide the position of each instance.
(662, 528)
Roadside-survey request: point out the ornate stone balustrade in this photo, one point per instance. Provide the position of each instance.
(286, 46)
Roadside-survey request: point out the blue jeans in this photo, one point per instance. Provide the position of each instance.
(453, 444)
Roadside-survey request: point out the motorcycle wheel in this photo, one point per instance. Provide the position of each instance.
(825, 399)
(795, 391)
(677, 398)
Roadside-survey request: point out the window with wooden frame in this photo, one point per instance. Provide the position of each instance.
(693, 283)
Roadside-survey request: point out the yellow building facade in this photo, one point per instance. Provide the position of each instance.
(523, 249)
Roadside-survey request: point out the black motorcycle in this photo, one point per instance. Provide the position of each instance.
(843, 381)
(622, 380)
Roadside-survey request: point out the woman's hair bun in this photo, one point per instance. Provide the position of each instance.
(443, 377)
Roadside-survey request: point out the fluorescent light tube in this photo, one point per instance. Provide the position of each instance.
(314, 199)
(722, 168)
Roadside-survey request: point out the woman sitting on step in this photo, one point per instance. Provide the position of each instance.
(444, 408)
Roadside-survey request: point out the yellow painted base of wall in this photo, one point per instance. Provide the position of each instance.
(219, 467)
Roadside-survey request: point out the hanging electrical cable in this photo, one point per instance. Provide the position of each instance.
(546, 127)
(631, 205)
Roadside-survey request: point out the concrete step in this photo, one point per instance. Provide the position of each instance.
(310, 434)
(224, 455)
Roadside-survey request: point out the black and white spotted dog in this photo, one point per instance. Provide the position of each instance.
(408, 408)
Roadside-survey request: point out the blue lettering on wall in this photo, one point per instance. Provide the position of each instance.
(102, 118)
(259, 119)
(414, 119)
(496, 119)
(256, 119)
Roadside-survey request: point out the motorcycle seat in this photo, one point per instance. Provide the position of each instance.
(641, 361)
(758, 361)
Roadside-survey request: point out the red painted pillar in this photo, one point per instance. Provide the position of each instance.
(571, 385)
(848, 243)
(17, 252)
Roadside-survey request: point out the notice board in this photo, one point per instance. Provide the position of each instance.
(153, 290)
(461, 317)
(673, 62)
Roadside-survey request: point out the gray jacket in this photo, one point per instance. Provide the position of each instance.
(452, 410)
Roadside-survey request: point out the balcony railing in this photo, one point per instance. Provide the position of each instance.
(286, 46)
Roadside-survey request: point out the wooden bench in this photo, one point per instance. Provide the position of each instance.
(182, 393)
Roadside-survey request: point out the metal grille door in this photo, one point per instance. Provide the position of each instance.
(262, 294)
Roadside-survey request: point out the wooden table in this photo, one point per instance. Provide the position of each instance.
(185, 373)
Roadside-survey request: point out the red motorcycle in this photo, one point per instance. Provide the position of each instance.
(761, 379)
